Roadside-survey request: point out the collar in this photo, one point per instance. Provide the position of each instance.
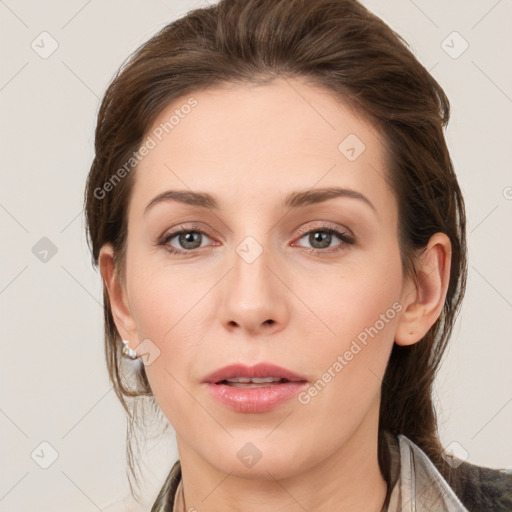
(420, 486)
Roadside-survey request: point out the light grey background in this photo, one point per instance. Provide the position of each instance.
(54, 385)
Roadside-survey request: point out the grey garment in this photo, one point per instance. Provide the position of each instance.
(420, 486)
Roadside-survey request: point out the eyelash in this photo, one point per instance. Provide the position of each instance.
(343, 236)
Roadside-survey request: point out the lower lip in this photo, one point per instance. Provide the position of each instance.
(254, 400)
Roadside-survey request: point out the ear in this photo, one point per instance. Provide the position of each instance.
(423, 298)
(119, 305)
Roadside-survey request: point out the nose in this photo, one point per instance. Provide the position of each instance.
(253, 297)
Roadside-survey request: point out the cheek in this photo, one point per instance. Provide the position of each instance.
(360, 308)
(169, 309)
(356, 297)
(165, 299)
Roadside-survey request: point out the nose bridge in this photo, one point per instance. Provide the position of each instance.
(250, 273)
(253, 296)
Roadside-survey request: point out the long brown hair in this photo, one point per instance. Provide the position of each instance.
(342, 47)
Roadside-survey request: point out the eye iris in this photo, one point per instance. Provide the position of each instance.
(322, 237)
(190, 239)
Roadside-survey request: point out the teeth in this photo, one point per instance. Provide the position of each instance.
(239, 379)
(265, 379)
(256, 380)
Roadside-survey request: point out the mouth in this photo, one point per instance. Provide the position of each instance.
(254, 389)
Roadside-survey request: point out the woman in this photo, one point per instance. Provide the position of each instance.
(281, 238)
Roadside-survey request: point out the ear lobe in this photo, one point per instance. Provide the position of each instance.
(119, 306)
(423, 298)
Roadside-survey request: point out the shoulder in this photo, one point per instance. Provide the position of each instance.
(485, 488)
(165, 499)
(477, 487)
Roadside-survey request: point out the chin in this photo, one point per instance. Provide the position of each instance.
(261, 459)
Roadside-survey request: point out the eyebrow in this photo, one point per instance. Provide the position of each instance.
(293, 200)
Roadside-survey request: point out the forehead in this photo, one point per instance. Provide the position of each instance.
(254, 139)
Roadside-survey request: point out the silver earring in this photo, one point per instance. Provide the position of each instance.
(129, 352)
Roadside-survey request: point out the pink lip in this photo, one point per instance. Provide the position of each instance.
(259, 370)
(254, 400)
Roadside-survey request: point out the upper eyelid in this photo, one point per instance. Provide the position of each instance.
(303, 230)
(326, 226)
(185, 228)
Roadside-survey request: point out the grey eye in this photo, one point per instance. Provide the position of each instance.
(187, 240)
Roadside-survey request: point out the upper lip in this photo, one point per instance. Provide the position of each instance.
(259, 370)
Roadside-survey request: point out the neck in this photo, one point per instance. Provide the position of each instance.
(346, 480)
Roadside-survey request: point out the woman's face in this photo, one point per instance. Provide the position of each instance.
(245, 287)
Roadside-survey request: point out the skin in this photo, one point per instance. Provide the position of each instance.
(250, 146)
